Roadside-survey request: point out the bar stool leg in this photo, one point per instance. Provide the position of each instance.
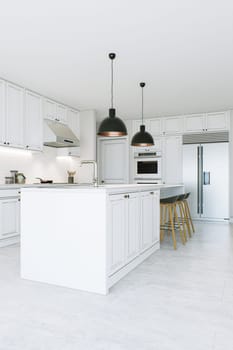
(182, 233)
(187, 221)
(172, 226)
(162, 221)
(189, 215)
(182, 215)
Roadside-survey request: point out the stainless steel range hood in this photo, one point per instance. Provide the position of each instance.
(59, 135)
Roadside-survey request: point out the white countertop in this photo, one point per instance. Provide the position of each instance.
(86, 186)
(114, 188)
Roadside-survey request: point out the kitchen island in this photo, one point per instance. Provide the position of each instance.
(87, 237)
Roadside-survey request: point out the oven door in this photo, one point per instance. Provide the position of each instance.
(147, 168)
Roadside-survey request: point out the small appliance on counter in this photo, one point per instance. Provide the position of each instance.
(71, 175)
(9, 180)
(13, 175)
(20, 178)
(15, 178)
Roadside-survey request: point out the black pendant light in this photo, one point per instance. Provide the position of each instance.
(112, 125)
(142, 138)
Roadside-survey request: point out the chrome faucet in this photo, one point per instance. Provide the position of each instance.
(95, 176)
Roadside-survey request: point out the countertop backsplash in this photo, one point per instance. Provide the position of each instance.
(36, 164)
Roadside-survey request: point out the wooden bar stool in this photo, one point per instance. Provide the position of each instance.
(182, 219)
(169, 219)
(187, 212)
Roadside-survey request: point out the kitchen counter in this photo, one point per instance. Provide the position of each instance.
(87, 237)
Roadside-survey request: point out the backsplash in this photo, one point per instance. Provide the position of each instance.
(36, 164)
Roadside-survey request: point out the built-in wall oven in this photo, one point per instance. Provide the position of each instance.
(147, 165)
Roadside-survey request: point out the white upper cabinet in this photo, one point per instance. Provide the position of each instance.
(55, 111)
(33, 121)
(172, 159)
(217, 121)
(73, 121)
(155, 126)
(50, 109)
(2, 111)
(194, 123)
(113, 160)
(207, 122)
(173, 125)
(14, 115)
(61, 113)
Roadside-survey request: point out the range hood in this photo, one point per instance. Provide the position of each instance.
(59, 135)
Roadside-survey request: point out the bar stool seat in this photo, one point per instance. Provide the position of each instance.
(169, 219)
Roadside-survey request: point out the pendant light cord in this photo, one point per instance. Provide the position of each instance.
(142, 107)
(111, 83)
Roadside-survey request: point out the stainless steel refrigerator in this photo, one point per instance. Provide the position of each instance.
(206, 176)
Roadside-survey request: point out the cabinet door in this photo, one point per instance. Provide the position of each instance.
(2, 111)
(61, 113)
(132, 226)
(14, 115)
(9, 218)
(217, 121)
(155, 126)
(156, 216)
(194, 123)
(113, 160)
(172, 159)
(117, 236)
(33, 122)
(146, 220)
(173, 125)
(74, 121)
(50, 109)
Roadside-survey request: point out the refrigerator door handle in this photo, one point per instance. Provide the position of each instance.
(206, 176)
(200, 180)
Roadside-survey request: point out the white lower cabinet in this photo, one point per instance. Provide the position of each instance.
(117, 232)
(9, 216)
(149, 219)
(133, 226)
(9, 219)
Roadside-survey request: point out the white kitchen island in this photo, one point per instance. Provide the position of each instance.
(87, 237)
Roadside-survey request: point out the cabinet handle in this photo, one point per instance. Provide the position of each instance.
(102, 181)
(18, 199)
(8, 143)
(151, 192)
(4, 143)
(125, 196)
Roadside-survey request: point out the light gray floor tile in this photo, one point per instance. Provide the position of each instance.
(175, 300)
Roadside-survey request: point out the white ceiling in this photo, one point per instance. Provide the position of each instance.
(182, 49)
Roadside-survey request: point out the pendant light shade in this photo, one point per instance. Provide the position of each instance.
(142, 138)
(112, 125)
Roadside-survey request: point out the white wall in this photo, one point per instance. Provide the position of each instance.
(47, 165)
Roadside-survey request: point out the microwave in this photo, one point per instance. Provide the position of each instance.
(147, 164)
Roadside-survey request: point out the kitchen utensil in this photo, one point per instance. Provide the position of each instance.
(42, 181)
(20, 178)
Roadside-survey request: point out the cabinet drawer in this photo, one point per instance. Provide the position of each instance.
(9, 193)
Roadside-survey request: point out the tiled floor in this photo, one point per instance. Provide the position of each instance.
(176, 300)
